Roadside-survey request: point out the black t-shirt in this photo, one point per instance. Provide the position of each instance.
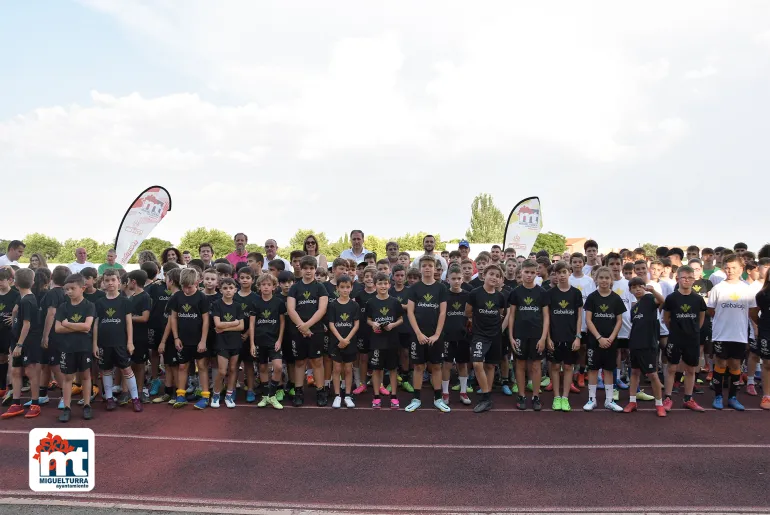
(486, 313)
(331, 290)
(140, 303)
(454, 328)
(362, 298)
(28, 311)
(160, 296)
(111, 316)
(546, 285)
(7, 302)
(563, 309)
(189, 315)
(510, 283)
(685, 313)
(93, 297)
(644, 324)
(702, 287)
(467, 287)
(763, 304)
(402, 297)
(75, 342)
(307, 298)
(427, 304)
(384, 310)
(604, 312)
(53, 298)
(476, 282)
(343, 316)
(248, 307)
(528, 303)
(267, 323)
(227, 340)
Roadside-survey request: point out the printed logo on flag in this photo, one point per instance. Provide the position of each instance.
(62, 460)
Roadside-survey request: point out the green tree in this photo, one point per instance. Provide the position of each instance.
(487, 223)
(550, 241)
(298, 240)
(375, 244)
(156, 245)
(414, 241)
(221, 241)
(649, 249)
(97, 252)
(336, 248)
(253, 247)
(41, 244)
(4, 245)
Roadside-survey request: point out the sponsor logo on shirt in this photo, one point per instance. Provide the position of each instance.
(427, 304)
(110, 313)
(77, 317)
(306, 299)
(265, 318)
(228, 317)
(604, 314)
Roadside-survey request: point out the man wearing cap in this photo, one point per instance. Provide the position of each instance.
(464, 248)
(428, 245)
(357, 250)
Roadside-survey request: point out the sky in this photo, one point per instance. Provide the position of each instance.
(633, 122)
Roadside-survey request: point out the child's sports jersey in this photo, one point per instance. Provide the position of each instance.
(159, 296)
(343, 316)
(403, 298)
(111, 317)
(763, 303)
(604, 311)
(7, 302)
(586, 285)
(267, 322)
(384, 310)
(563, 307)
(140, 303)
(248, 308)
(93, 297)
(644, 324)
(486, 314)
(227, 340)
(307, 297)
(189, 314)
(731, 304)
(75, 342)
(427, 303)
(28, 311)
(362, 298)
(685, 313)
(476, 282)
(528, 303)
(331, 290)
(454, 327)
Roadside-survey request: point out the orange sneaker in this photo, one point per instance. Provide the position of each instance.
(710, 376)
(13, 411)
(76, 389)
(661, 411)
(692, 405)
(573, 388)
(310, 380)
(668, 404)
(631, 406)
(53, 385)
(33, 412)
(765, 404)
(581, 380)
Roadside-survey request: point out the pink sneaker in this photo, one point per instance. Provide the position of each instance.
(445, 398)
(751, 390)
(394, 404)
(376, 403)
(384, 391)
(668, 403)
(361, 389)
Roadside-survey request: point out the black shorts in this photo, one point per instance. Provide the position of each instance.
(730, 350)
(563, 353)
(458, 351)
(486, 351)
(326, 344)
(170, 355)
(405, 340)
(141, 353)
(111, 357)
(189, 354)
(286, 352)
(687, 351)
(754, 346)
(152, 341)
(383, 359)
(621, 343)
(268, 354)
(73, 362)
(229, 353)
(527, 349)
(51, 354)
(645, 360)
(598, 358)
(345, 355)
(5, 342)
(421, 354)
(362, 345)
(30, 355)
(307, 348)
(245, 352)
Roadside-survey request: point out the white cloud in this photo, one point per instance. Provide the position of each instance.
(701, 73)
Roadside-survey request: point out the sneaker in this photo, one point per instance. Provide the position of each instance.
(125, 398)
(407, 387)
(155, 387)
(337, 402)
(180, 401)
(668, 403)
(765, 404)
(529, 386)
(631, 406)
(394, 404)
(298, 401)
(144, 397)
(612, 406)
(274, 402)
(751, 390)
(515, 388)
(322, 398)
(14, 411)
(76, 389)
(349, 402)
(157, 400)
(735, 404)
(61, 404)
(641, 396)
(94, 392)
(25, 387)
(549, 388)
(545, 381)
(111, 404)
(590, 405)
(33, 412)
(441, 406)
(251, 397)
(692, 405)
(376, 403)
(88, 412)
(53, 385)
(445, 398)
(229, 401)
(310, 380)
(697, 391)
(717, 403)
(709, 376)
(65, 415)
(171, 401)
(465, 399)
(620, 385)
(581, 380)
(565, 405)
(384, 391)
(521, 403)
(40, 401)
(482, 406)
(138, 405)
(262, 403)
(279, 395)
(616, 395)
(661, 411)
(506, 391)
(361, 389)
(7, 398)
(215, 400)
(201, 404)
(573, 388)
(536, 404)
(415, 404)
(556, 405)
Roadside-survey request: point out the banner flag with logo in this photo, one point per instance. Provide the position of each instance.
(144, 213)
(523, 226)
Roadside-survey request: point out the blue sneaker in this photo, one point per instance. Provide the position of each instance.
(61, 404)
(507, 390)
(717, 404)
(735, 404)
(620, 384)
(202, 403)
(600, 382)
(180, 401)
(251, 396)
(155, 386)
(40, 401)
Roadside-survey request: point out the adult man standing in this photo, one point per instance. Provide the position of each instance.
(429, 245)
(206, 253)
(81, 261)
(356, 250)
(271, 253)
(239, 255)
(15, 251)
(186, 257)
(465, 248)
(391, 252)
(496, 255)
(111, 257)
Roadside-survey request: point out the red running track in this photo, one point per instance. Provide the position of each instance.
(391, 461)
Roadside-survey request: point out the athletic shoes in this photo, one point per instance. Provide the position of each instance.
(40, 401)
(180, 402)
(111, 404)
(138, 405)
(467, 400)
(641, 396)
(33, 412)
(735, 404)
(668, 403)
(445, 398)
(157, 400)
(14, 411)
(251, 396)
(394, 404)
(7, 398)
(413, 405)
(573, 388)
(125, 398)
(616, 395)
(545, 381)
(349, 402)
(709, 376)
(620, 384)
(65, 415)
(751, 390)
(565, 405)
(590, 405)
(274, 402)
(692, 405)
(310, 380)
(361, 389)
(529, 385)
(717, 404)
(600, 382)
(765, 404)
(201, 404)
(77, 390)
(661, 411)
(549, 388)
(88, 414)
(61, 404)
(506, 390)
(581, 380)
(521, 403)
(279, 395)
(515, 388)
(556, 405)
(384, 391)
(322, 398)
(376, 403)
(536, 404)
(263, 402)
(298, 401)
(441, 406)
(612, 406)
(631, 406)
(407, 387)
(484, 405)
(229, 401)
(215, 400)
(155, 387)
(337, 402)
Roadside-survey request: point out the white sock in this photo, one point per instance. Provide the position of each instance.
(632, 398)
(591, 392)
(750, 379)
(445, 387)
(133, 390)
(107, 380)
(463, 384)
(608, 390)
(357, 375)
(659, 402)
(327, 383)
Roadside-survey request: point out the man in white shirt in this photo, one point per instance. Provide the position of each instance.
(429, 245)
(592, 257)
(81, 261)
(271, 253)
(14, 252)
(356, 250)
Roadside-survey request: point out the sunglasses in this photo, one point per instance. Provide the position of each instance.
(310, 243)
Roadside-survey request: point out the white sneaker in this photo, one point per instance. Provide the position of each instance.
(214, 401)
(416, 403)
(229, 402)
(337, 402)
(441, 406)
(612, 406)
(116, 389)
(590, 405)
(349, 402)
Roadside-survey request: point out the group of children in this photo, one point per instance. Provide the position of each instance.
(582, 319)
